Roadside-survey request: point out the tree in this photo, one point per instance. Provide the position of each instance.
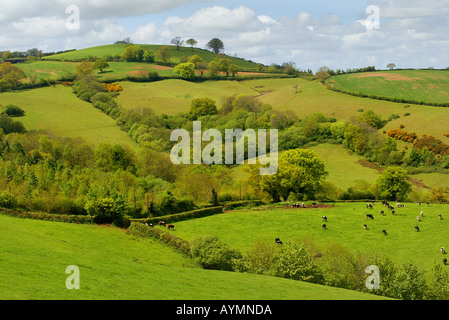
(300, 173)
(371, 118)
(216, 45)
(202, 67)
(13, 111)
(202, 107)
(224, 64)
(392, 184)
(11, 74)
(185, 70)
(163, 54)
(195, 59)
(323, 74)
(233, 69)
(213, 68)
(391, 66)
(177, 42)
(148, 56)
(192, 42)
(100, 64)
(133, 53)
(85, 68)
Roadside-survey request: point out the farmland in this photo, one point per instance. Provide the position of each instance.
(114, 265)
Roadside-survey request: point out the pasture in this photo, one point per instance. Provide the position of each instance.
(115, 265)
(58, 110)
(242, 228)
(419, 85)
(114, 50)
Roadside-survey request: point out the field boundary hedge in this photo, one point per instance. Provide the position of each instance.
(188, 215)
(167, 238)
(49, 216)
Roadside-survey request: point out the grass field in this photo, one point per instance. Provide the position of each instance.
(419, 85)
(176, 56)
(57, 109)
(240, 229)
(117, 266)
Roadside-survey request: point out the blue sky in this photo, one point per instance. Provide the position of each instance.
(338, 34)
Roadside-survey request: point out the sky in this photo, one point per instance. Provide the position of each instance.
(340, 34)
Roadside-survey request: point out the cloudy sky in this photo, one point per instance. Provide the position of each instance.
(312, 33)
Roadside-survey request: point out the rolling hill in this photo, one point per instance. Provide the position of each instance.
(115, 265)
(115, 50)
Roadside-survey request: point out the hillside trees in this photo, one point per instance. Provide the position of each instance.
(100, 64)
(216, 45)
(185, 71)
(133, 53)
(163, 54)
(10, 75)
(392, 184)
(192, 42)
(202, 107)
(178, 42)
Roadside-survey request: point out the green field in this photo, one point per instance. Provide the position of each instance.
(419, 85)
(240, 229)
(58, 110)
(115, 265)
(118, 49)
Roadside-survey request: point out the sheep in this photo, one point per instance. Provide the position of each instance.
(418, 218)
(422, 213)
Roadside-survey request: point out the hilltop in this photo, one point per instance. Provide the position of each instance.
(113, 51)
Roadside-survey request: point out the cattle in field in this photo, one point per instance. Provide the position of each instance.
(418, 218)
(444, 261)
(365, 227)
(324, 218)
(369, 205)
(440, 217)
(384, 232)
(324, 226)
(161, 224)
(370, 216)
(417, 229)
(442, 250)
(170, 226)
(278, 241)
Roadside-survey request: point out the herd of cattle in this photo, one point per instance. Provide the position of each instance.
(324, 218)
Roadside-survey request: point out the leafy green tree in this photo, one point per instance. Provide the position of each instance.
(300, 173)
(133, 53)
(13, 111)
(213, 68)
(163, 54)
(185, 70)
(192, 42)
(100, 64)
(148, 56)
(202, 107)
(233, 69)
(11, 74)
(177, 42)
(392, 184)
(371, 118)
(216, 45)
(84, 69)
(224, 64)
(195, 59)
(292, 261)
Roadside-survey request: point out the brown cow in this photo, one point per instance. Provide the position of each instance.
(170, 226)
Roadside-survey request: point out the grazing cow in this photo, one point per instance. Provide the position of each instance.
(440, 217)
(442, 250)
(419, 203)
(161, 224)
(422, 213)
(369, 205)
(278, 241)
(324, 218)
(393, 212)
(170, 226)
(384, 232)
(382, 212)
(324, 227)
(318, 255)
(417, 229)
(370, 216)
(444, 261)
(365, 227)
(418, 218)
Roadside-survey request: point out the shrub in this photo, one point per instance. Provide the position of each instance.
(13, 111)
(211, 253)
(293, 261)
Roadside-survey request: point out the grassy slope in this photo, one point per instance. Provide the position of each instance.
(420, 85)
(115, 265)
(58, 110)
(118, 49)
(345, 226)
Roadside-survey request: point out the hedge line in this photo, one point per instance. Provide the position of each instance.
(49, 216)
(399, 100)
(243, 203)
(169, 239)
(194, 214)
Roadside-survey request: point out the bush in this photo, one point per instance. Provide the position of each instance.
(13, 111)
(211, 253)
